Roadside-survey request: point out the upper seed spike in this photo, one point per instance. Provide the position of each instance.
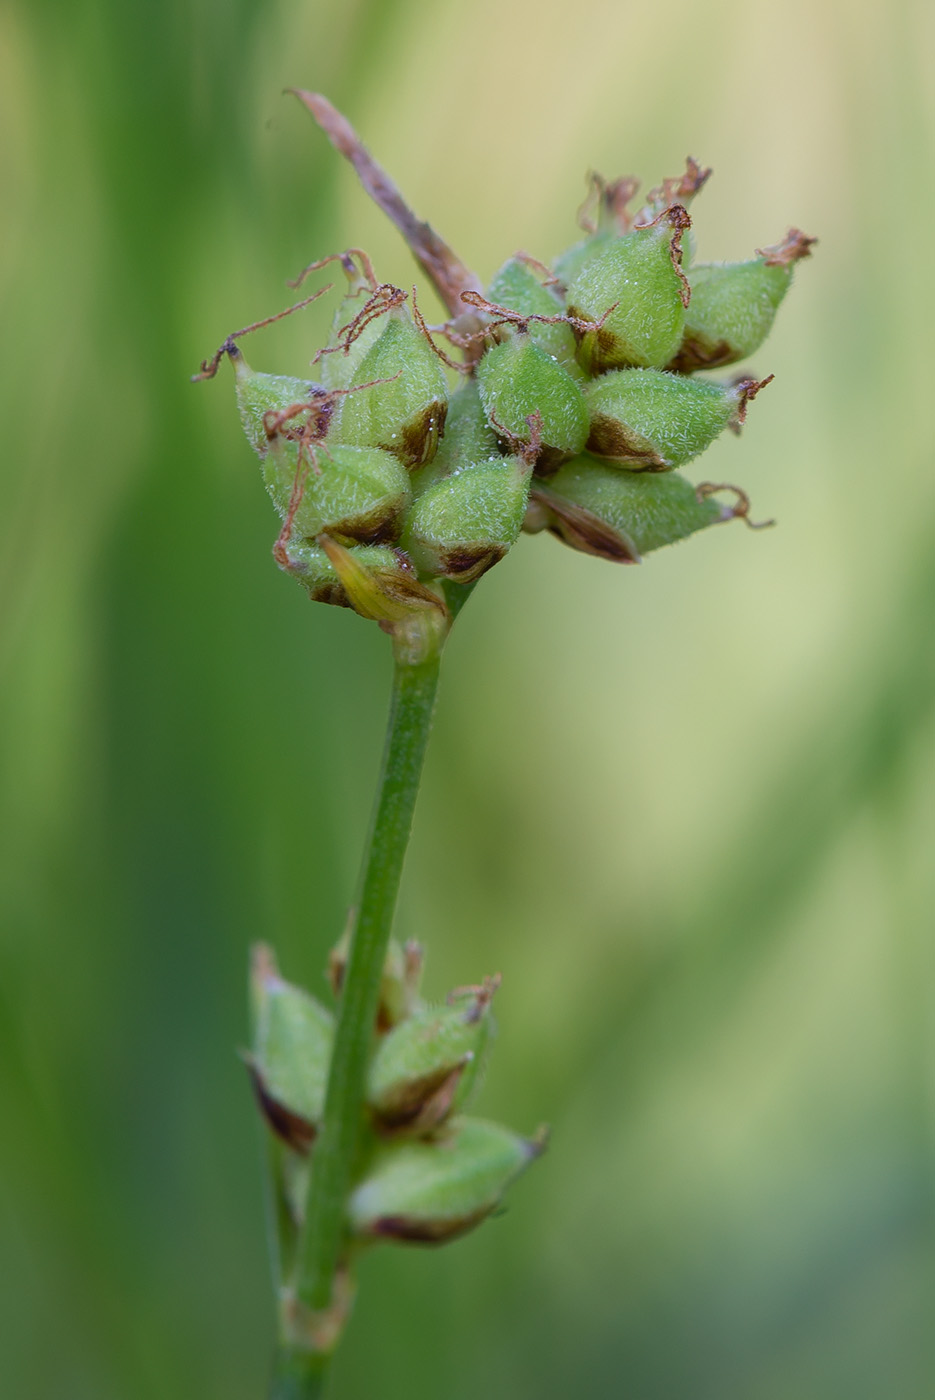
(596, 352)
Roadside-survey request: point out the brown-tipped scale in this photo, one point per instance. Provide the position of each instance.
(291, 1050)
(620, 515)
(427, 1065)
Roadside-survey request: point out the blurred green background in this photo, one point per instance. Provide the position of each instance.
(685, 809)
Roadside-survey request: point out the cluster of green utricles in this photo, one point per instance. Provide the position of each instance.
(573, 407)
(427, 1173)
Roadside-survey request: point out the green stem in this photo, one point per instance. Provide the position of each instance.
(298, 1375)
(410, 719)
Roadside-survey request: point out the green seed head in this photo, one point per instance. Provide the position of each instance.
(733, 305)
(434, 1191)
(566, 380)
(292, 1038)
(517, 380)
(517, 287)
(622, 515)
(647, 419)
(427, 1065)
(635, 290)
(403, 409)
(356, 494)
(461, 526)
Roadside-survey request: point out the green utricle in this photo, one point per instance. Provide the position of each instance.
(570, 263)
(259, 394)
(404, 409)
(460, 526)
(354, 493)
(635, 275)
(646, 418)
(436, 1046)
(468, 438)
(648, 510)
(517, 287)
(731, 311)
(432, 1191)
(292, 1047)
(518, 379)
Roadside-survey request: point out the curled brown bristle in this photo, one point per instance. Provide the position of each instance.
(281, 547)
(795, 246)
(482, 995)
(617, 195)
(419, 319)
(549, 279)
(747, 390)
(679, 220)
(346, 259)
(504, 316)
(530, 453)
(741, 508)
(587, 208)
(694, 178)
(383, 299)
(209, 368)
(606, 202)
(674, 190)
(316, 413)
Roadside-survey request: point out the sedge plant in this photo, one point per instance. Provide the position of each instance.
(559, 399)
